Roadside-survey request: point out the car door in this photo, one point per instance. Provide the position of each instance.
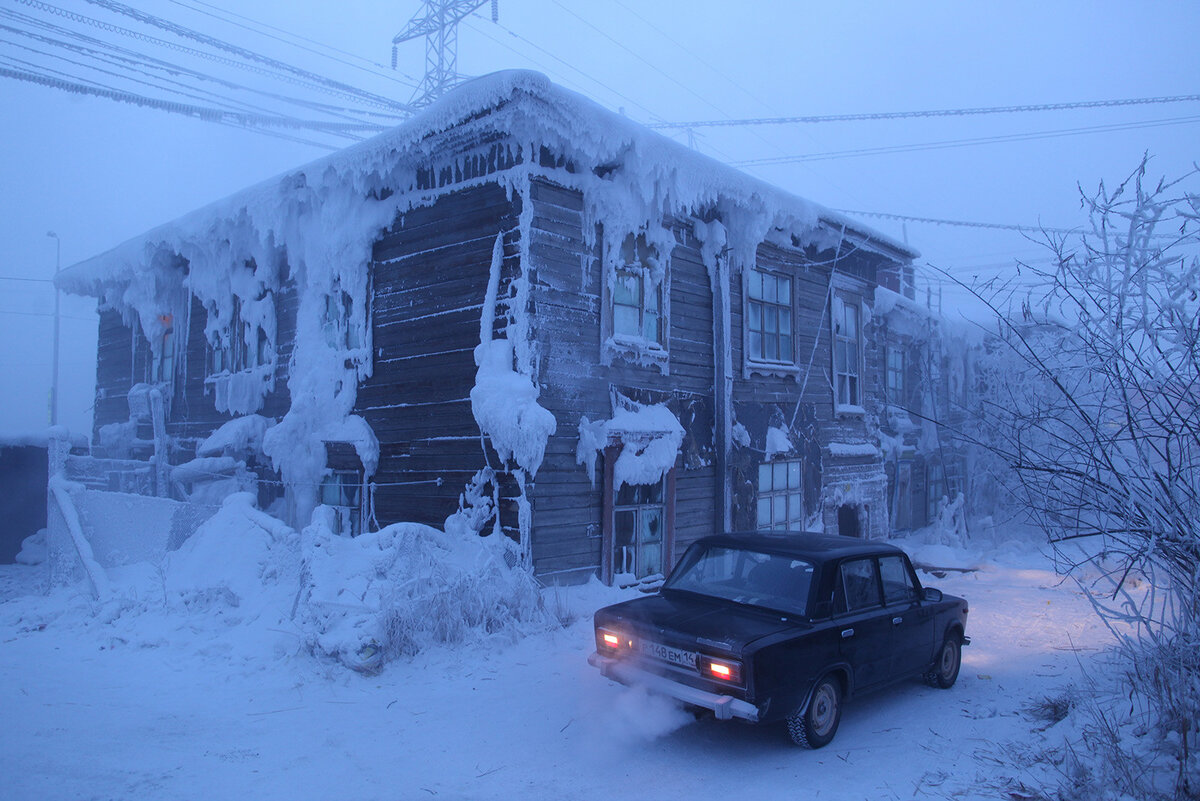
(911, 622)
(863, 625)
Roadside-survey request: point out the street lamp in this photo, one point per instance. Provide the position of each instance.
(54, 378)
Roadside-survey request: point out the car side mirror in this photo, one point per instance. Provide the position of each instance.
(932, 594)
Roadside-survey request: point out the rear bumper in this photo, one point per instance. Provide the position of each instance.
(723, 706)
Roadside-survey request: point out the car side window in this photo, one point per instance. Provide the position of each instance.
(898, 585)
(858, 587)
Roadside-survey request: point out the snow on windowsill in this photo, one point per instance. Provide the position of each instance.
(778, 369)
(849, 410)
(851, 450)
(640, 351)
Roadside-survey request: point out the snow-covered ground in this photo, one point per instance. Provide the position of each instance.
(160, 702)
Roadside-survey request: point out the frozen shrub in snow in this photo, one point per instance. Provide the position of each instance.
(1107, 446)
(395, 591)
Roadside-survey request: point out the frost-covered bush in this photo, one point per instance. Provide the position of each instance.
(1101, 427)
(392, 592)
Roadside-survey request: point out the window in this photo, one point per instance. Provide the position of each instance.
(847, 353)
(858, 587)
(639, 523)
(637, 296)
(898, 584)
(769, 317)
(342, 491)
(229, 353)
(237, 345)
(163, 369)
(935, 485)
(340, 332)
(780, 499)
(895, 375)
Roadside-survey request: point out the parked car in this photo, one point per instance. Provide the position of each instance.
(783, 627)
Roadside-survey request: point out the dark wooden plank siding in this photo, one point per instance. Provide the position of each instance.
(566, 296)
(430, 277)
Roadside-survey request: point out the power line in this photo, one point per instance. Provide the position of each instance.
(955, 143)
(650, 113)
(953, 112)
(225, 15)
(960, 223)
(130, 60)
(291, 74)
(197, 112)
(1032, 229)
(249, 55)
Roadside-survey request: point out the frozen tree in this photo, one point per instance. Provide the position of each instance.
(1101, 427)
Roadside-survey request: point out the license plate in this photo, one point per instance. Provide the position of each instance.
(665, 653)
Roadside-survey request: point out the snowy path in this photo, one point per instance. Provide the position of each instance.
(160, 707)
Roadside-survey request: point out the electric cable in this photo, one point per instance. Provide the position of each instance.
(957, 112)
(956, 143)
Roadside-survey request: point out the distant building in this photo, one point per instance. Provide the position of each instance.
(518, 310)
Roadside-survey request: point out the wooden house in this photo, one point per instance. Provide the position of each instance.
(928, 374)
(518, 312)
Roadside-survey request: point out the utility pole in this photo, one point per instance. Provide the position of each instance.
(438, 23)
(54, 378)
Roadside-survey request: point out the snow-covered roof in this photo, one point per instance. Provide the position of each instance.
(522, 104)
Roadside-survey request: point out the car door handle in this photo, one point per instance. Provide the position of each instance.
(896, 621)
(847, 633)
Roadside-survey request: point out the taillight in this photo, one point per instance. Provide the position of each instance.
(725, 670)
(611, 641)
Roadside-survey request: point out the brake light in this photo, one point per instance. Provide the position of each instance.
(610, 641)
(725, 670)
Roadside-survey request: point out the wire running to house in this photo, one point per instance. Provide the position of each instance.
(950, 112)
(956, 143)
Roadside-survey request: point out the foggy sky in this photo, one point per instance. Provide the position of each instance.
(97, 172)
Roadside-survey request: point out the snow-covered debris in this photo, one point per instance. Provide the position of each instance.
(395, 591)
(231, 558)
(33, 549)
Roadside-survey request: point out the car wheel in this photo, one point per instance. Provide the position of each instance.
(945, 670)
(815, 725)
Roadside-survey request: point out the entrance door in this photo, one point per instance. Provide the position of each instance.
(848, 521)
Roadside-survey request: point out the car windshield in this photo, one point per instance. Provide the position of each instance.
(746, 577)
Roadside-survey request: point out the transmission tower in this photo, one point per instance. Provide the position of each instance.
(438, 23)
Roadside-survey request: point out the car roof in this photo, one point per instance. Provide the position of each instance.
(813, 547)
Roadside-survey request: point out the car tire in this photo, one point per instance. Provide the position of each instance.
(814, 725)
(949, 662)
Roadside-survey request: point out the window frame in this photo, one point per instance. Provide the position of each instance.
(352, 514)
(163, 354)
(853, 403)
(757, 274)
(243, 346)
(633, 261)
(896, 376)
(640, 509)
(787, 493)
(608, 548)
